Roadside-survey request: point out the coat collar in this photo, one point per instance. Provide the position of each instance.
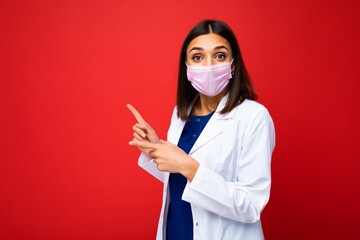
(213, 128)
(220, 107)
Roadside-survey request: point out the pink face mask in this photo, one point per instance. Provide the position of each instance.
(210, 80)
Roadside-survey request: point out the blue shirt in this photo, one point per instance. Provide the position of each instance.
(179, 219)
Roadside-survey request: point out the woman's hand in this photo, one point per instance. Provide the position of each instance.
(143, 132)
(169, 157)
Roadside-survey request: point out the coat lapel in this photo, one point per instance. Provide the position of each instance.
(176, 128)
(214, 127)
(178, 125)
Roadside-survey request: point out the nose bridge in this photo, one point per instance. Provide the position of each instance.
(209, 60)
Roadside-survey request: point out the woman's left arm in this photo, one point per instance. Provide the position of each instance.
(244, 199)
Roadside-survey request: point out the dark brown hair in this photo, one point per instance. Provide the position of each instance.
(239, 87)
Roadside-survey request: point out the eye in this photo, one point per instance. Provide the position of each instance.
(196, 58)
(220, 56)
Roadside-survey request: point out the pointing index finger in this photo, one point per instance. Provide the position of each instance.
(136, 114)
(144, 144)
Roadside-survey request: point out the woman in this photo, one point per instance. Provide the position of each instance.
(215, 165)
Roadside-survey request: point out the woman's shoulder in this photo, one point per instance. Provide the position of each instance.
(174, 114)
(251, 106)
(250, 109)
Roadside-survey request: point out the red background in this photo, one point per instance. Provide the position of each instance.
(68, 68)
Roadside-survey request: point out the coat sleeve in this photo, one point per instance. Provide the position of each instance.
(146, 163)
(244, 199)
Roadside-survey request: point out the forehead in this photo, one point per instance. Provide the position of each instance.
(208, 42)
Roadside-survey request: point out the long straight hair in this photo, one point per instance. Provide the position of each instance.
(239, 87)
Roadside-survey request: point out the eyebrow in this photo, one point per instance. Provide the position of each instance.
(220, 47)
(216, 48)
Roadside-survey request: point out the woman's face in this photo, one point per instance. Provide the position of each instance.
(208, 49)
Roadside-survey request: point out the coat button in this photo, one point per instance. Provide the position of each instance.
(197, 224)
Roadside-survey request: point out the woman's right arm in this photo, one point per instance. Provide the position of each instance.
(143, 132)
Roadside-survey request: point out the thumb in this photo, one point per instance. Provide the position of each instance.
(163, 141)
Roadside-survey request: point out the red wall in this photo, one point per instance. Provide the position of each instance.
(69, 67)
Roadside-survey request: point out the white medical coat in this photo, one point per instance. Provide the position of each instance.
(232, 184)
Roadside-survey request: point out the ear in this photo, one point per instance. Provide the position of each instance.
(232, 67)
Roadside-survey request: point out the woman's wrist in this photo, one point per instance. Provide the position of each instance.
(190, 168)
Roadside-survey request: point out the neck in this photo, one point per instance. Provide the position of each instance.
(205, 104)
